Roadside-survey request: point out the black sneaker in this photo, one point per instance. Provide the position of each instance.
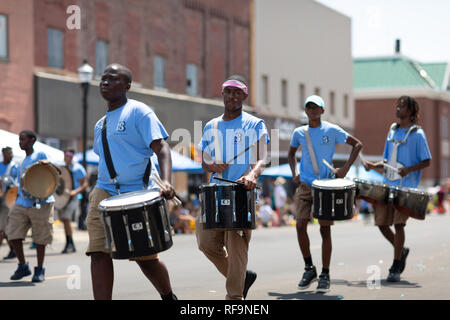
(250, 277)
(309, 276)
(405, 253)
(394, 275)
(69, 248)
(11, 255)
(324, 283)
(39, 274)
(23, 270)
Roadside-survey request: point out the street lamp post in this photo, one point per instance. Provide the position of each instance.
(85, 73)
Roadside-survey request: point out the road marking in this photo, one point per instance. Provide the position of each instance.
(59, 277)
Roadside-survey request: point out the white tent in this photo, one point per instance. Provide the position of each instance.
(9, 139)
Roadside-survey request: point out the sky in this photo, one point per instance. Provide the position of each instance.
(423, 26)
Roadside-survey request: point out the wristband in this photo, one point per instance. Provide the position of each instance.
(212, 167)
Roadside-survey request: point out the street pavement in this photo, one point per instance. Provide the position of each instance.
(359, 267)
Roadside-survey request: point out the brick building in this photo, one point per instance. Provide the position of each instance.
(379, 82)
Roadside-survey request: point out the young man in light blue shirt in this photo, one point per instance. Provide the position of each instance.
(29, 212)
(411, 156)
(9, 174)
(134, 133)
(229, 144)
(324, 138)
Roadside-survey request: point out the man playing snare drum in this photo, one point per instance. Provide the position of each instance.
(28, 212)
(324, 138)
(224, 138)
(406, 147)
(134, 133)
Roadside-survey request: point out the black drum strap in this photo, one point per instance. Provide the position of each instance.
(108, 159)
(147, 173)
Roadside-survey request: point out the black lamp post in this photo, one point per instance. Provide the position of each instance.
(85, 73)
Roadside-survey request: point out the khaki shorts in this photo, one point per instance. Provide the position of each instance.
(21, 219)
(303, 204)
(70, 211)
(96, 229)
(388, 215)
(3, 217)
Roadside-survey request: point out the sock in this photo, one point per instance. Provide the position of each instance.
(308, 261)
(69, 240)
(396, 264)
(169, 296)
(326, 270)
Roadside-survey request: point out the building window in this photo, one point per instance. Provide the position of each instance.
(444, 127)
(191, 79)
(265, 89)
(317, 91)
(101, 56)
(284, 93)
(3, 37)
(332, 110)
(345, 106)
(301, 96)
(55, 48)
(444, 168)
(159, 70)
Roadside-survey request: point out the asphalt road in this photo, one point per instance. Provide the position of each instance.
(359, 266)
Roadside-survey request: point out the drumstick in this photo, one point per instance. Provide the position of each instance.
(245, 150)
(329, 166)
(391, 167)
(235, 182)
(160, 183)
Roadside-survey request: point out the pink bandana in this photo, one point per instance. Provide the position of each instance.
(236, 84)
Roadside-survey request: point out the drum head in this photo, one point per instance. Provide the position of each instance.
(333, 184)
(62, 192)
(130, 200)
(40, 180)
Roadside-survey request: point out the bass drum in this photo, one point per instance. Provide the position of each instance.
(62, 192)
(39, 181)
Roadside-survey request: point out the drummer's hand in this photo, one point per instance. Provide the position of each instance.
(45, 161)
(168, 191)
(73, 193)
(403, 171)
(366, 165)
(341, 172)
(219, 167)
(296, 179)
(249, 181)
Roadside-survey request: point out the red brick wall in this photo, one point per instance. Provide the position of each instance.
(213, 34)
(16, 75)
(373, 118)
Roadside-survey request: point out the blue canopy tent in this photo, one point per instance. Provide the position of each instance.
(179, 162)
(355, 172)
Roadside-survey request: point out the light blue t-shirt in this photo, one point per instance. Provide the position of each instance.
(409, 153)
(236, 135)
(14, 172)
(28, 161)
(324, 140)
(130, 131)
(78, 173)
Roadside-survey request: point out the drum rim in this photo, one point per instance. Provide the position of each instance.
(130, 206)
(352, 186)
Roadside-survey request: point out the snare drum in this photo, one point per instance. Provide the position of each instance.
(227, 206)
(333, 199)
(136, 224)
(414, 202)
(373, 192)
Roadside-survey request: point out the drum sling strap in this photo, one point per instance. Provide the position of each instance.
(109, 163)
(311, 153)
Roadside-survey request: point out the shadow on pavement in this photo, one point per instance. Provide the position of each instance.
(304, 295)
(363, 284)
(16, 284)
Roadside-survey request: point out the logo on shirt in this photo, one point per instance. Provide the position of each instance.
(325, 139)
(121, 126)
(238, 137)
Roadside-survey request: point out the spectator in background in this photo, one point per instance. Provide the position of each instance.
(266, 215)
(365, 209)
(279, 196)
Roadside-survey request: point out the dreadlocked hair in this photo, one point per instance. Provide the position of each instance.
(412, 106)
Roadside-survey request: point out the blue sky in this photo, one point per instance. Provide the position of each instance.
(423, 26)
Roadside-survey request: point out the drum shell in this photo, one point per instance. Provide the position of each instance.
(227, 207)
(343, 200)
(147, 228)
(410, 201)
(375, 193)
